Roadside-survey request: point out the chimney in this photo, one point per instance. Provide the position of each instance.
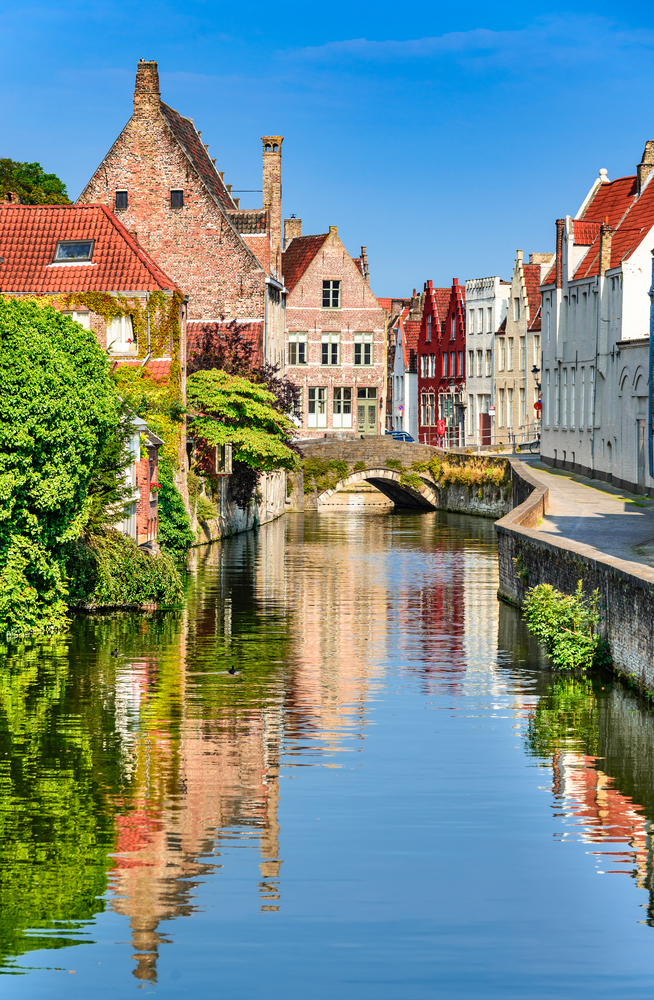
(146, 91)
(11, 198)
(364, 264)
(292, 230)
(272, 191)
(646, 165)
(606, 235)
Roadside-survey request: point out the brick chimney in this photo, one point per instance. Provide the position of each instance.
(292, 230)
(646, 165)
(606, 235)
(146, 91)
(272, 191)
(364, 264)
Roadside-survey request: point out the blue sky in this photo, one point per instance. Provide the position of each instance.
(443, 136)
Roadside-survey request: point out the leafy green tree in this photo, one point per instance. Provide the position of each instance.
(565, 624)
(30, 183)
(59, 409)
(228, 408)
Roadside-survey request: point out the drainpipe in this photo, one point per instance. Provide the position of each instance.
(650, 444)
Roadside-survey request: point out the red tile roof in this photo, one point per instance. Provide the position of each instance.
(585, 231)
(188, 138)
(386, 303)
(297, 257)
(532, 281)
(28, 240)
(157, 368)
(628, 234)
(611, 201)
(535, 323)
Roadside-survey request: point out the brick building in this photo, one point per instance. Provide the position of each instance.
(62, 253)
(441, 365)
(336, 335)
(161, 182)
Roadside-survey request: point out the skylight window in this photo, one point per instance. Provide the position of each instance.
(74, 251)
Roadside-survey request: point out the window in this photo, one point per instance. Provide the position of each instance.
(471, 321)
(453, 334)
(565, 397)
(431, 409)
(480, 363)
(523, 354)
(423, 409)
(317, 406)
(537, 350)
(331, 294)
(423, 365)
(547, 398)
(444, 364)
(177, 199)
(582, 412)
(121, 201)
(502, 408)
(509, 363)
(591, 398)
(489, 319)
(459, 370)
(548, 318)
(429, 327)
(362, 348)
(75, 251)
(83, 318)
(501, 355)
(120, 335)
(523, 408)
(489, 363)
(481, 321)
(432, 366)
(452, 364)
(342, 414)
(509, 407)
(471, 362)
(297, 348)
(516, 309)
(557, 398)
(573, 396)
(330, 348)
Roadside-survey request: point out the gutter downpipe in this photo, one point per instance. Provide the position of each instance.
(650, 443)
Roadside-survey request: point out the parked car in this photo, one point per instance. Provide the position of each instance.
(402, 436)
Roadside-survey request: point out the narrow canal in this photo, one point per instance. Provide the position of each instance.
(388, 797)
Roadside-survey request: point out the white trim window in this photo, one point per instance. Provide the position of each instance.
(363, 348)
(432, 366)
(297, 349)
(331, 294)
(83, 318)
(120, 335)
(317, 408)
(330, 349)
(342, 412)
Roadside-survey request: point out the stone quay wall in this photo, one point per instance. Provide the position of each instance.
(271, 503)
(526, 559)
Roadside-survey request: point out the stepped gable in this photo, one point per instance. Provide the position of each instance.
(635, 223)
(298, 255)
(188, 138)
(29, 235)
(532, 284)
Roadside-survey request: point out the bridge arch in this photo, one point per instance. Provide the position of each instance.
(419, 493)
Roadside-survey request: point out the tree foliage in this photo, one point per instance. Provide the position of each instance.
(31, 185)
(59, 409)
(565, 624)
(175, 532)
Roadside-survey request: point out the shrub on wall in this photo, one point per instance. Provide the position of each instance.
(566, 625)
(175, 533)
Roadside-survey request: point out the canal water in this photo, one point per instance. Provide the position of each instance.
(342, 771)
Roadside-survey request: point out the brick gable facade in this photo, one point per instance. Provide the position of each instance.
(221, 255)
(441, 364)
(336, 353)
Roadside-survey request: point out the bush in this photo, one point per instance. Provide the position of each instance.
(206, 509)
(566, 625)
(175, 534)
(323, 474)
(110, 570)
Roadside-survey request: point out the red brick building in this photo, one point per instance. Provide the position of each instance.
(161, 182)
(441, 365)
(336, 348)
(64, 252)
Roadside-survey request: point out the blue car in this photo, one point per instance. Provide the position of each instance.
(402, 436)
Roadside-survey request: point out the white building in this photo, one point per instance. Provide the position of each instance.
(486, 303)
(596, 334)
(405, 332)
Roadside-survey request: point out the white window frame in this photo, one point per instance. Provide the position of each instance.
(317, 406)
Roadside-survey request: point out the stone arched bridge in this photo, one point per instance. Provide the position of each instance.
(374, 453)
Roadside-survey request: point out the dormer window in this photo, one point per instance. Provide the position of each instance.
(73, 251)
(177, 199)
(121, 201)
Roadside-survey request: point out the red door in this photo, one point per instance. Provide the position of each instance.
(485, 428)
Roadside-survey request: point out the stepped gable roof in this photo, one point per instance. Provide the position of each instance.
(29, 235)
(298, 255)
(189, 139)
(532, 281)
(627, 236)
(157, 368)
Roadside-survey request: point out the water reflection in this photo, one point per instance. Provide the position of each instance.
(138, 757)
